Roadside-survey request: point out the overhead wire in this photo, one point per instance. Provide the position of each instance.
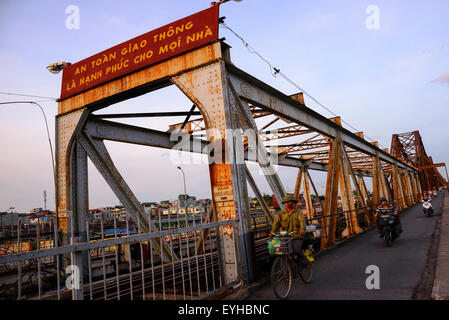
(29, 95)
(276, 71)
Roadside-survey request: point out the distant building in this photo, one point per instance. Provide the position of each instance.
(182, 203)
(12, 218)
(182, 211)
(165, 204)
(43, 216)
(119, 212)
(150, 207)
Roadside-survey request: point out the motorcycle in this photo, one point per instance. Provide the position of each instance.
(388, 227)
(427, 208)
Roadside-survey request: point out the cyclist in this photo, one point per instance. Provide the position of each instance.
(291, 219)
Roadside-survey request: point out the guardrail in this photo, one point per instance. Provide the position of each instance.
(122, 267)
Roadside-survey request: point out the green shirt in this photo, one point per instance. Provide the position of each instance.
(293, 221)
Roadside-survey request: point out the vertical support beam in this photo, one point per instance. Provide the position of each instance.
(409, 190)
(364, 190)
(307, 197)
(259, 196)
(366, 197)
(386, 185)
(245, 235)
(316, 192)
(377, 187)
(213, 99)
(298, 182)
(418, 184)
(402, 188)
(79, 216)
(397, 188)
(383, 183)
(360, 196)
(347, 198)
(413, 186)
(331, 197)
(67, 125)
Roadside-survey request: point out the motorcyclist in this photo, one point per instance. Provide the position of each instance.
(291, 219)
(386, 208)
(426, 196)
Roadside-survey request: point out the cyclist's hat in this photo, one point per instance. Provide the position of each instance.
(289, 198)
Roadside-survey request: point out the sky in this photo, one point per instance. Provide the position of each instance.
(386, 80)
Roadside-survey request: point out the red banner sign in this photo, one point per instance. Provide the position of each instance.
(155, 46)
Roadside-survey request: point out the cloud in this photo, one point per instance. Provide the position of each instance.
(444, 78)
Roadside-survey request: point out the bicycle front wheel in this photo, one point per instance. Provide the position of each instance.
(305, 273)
(281, 277)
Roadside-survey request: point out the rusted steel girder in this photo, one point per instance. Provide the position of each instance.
(331, 197)
(409, 147)
(228, 193)
(257, 93)
(227, 98)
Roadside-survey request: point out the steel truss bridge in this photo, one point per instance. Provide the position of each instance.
(205, 258)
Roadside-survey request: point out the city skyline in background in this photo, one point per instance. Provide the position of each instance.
(371, 78)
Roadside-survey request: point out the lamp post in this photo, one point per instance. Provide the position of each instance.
(224, 1)
(185, 192)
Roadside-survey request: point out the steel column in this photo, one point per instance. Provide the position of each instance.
(331, 197)
(79, 215)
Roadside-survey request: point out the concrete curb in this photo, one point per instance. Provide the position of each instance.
(440, 290)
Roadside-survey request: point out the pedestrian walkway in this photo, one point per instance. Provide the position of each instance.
(441, 282)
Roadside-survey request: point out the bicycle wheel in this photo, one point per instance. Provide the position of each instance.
(281, 277)
(305, 273)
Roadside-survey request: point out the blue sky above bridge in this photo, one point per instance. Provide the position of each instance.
(382, 81)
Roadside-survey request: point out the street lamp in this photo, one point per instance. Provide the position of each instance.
(57, 67)
(214, 3)
(223, 1)
(185, 192)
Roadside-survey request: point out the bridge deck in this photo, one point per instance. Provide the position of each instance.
(340, 273)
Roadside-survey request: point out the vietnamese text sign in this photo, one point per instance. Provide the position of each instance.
(175, 38)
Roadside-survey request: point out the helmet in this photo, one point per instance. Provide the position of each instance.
(289, 198)
(383, 199)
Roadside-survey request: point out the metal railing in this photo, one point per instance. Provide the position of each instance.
(361, 217)
(118, 261)
(127, 264)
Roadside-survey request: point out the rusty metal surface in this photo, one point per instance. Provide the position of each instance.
(65, 129)
(171, 67)
(408, 147)
(152, 47)
(210, 99)
(228, 98)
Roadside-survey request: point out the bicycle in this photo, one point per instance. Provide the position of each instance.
(282, 269)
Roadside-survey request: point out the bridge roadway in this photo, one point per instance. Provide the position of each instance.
(340, 272)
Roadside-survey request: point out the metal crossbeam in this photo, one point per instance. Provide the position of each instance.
(262, 95)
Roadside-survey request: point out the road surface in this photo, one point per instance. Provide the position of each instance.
(340, 273)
